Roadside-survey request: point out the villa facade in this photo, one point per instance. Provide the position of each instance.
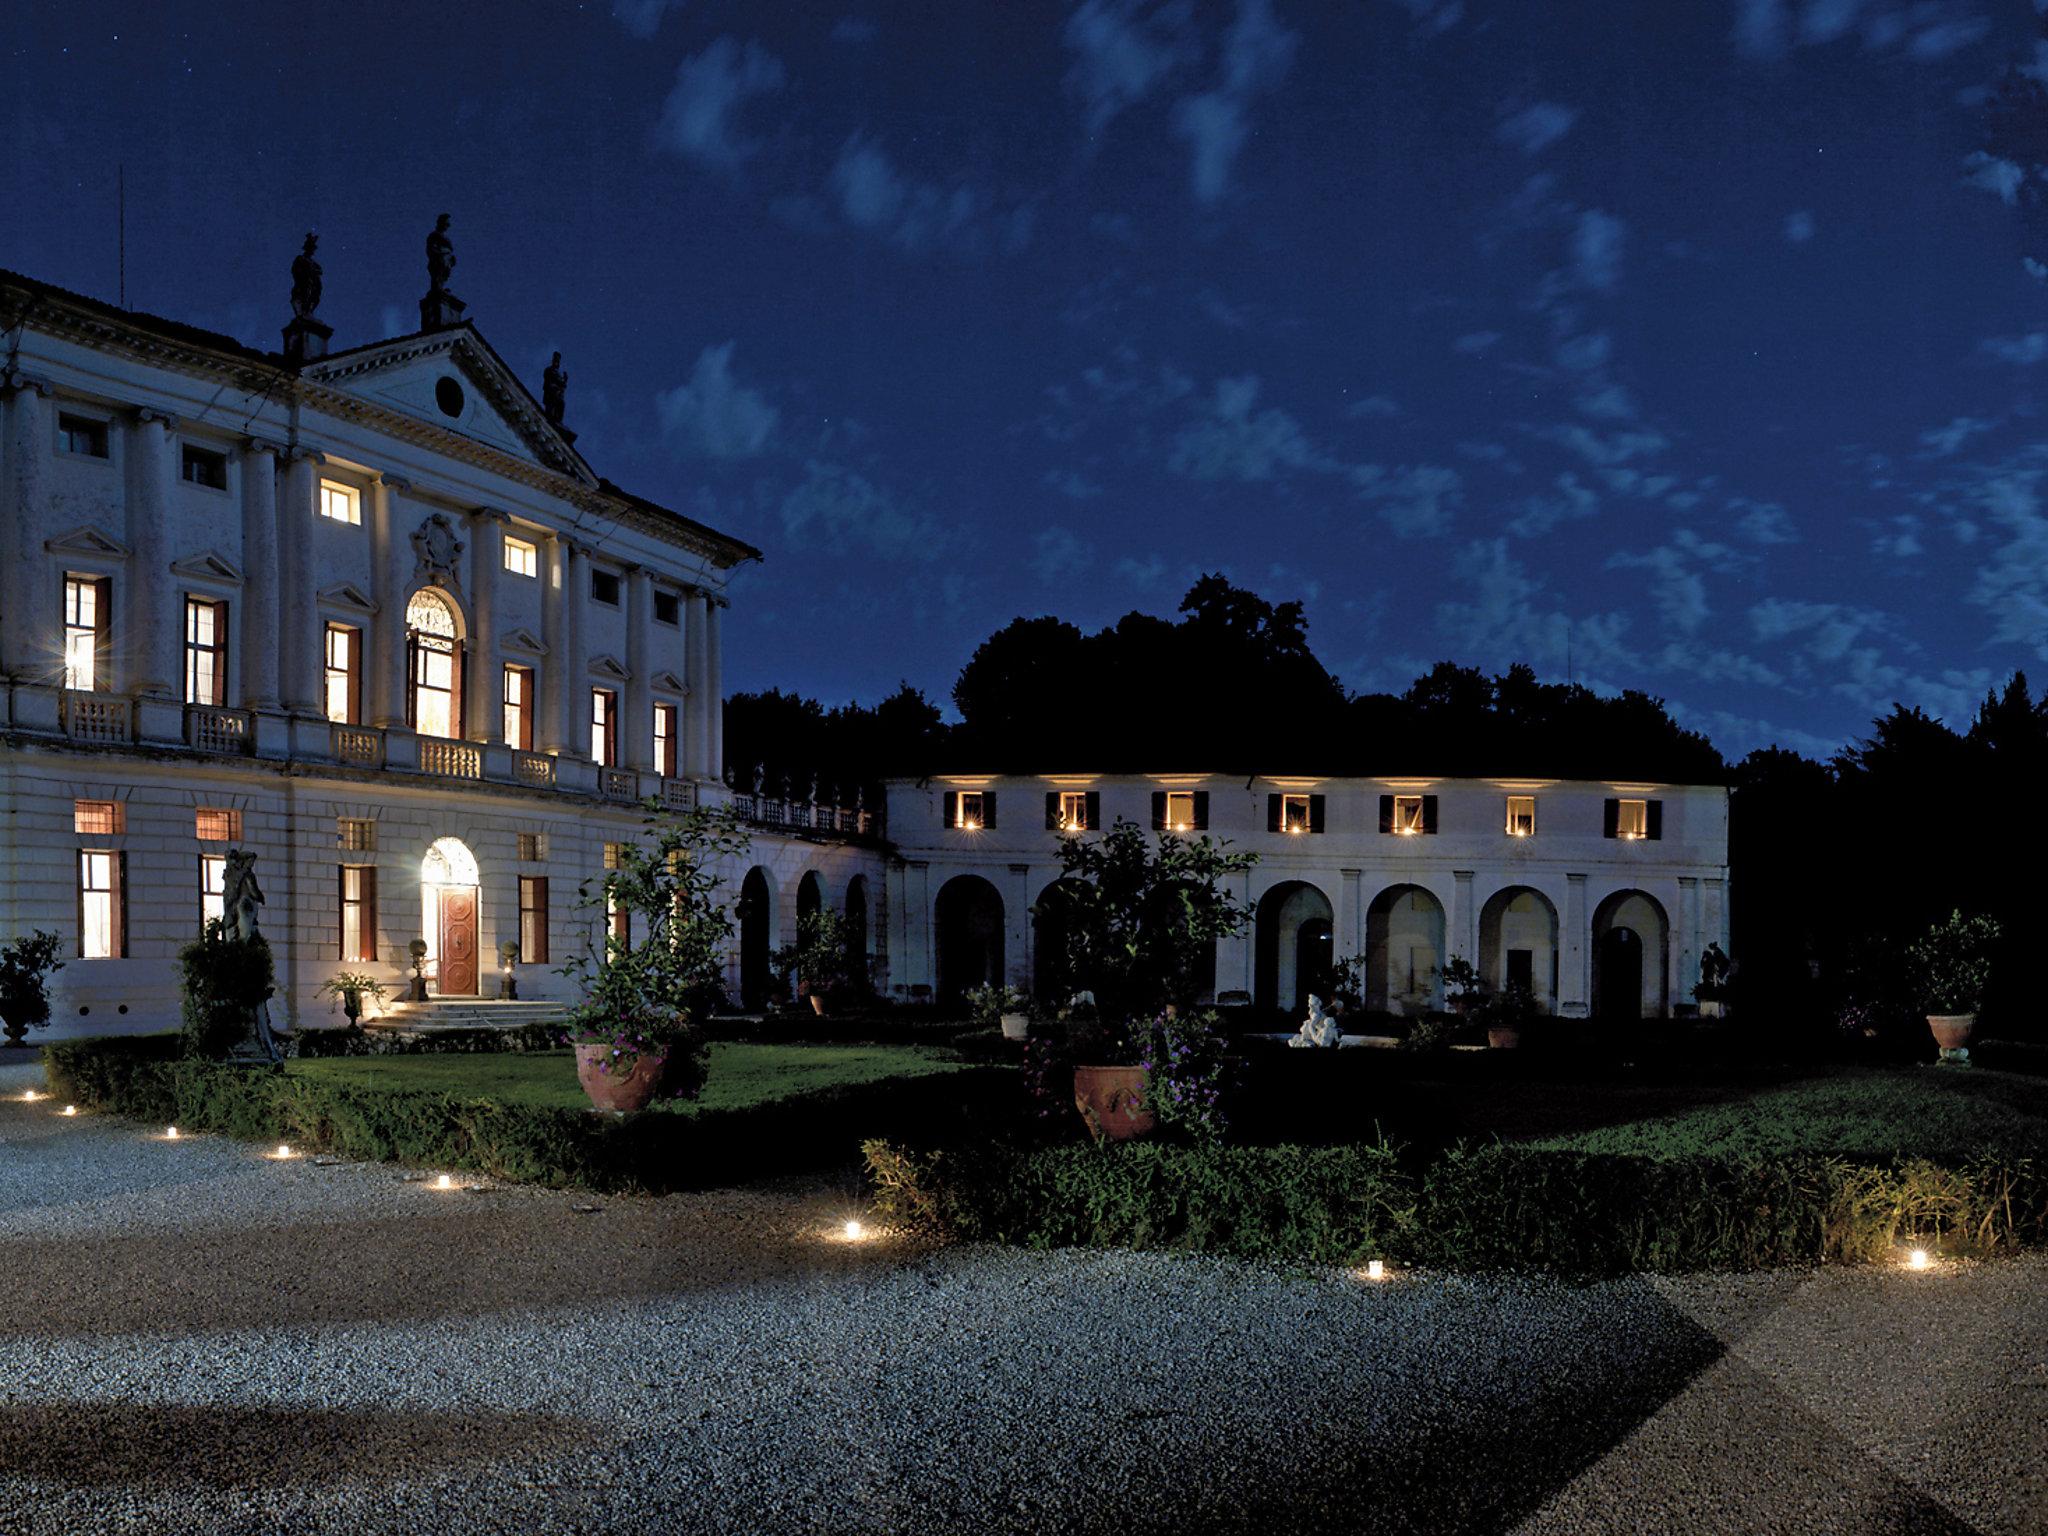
(368, 614)
(1599, 898)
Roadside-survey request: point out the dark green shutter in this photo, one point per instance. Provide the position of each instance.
(988, 810)
(1386, 813)
(1612, 824)
(1429, 814)
(1201, 810)
(1052, 810)
(1272, 813)
(1093, 815)
(1159, 810)
(1653, 819)
(952, 807)
(1315, 813)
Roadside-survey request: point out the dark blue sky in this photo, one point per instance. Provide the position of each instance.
(1697, 346)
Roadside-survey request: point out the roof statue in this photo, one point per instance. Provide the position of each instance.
(440, 308)
(554, 390)
(306, 280)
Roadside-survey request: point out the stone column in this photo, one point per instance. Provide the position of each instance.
(638, 740)
(1463, 939)
(1017, 957)
(390, 555)
(486, 710)
(259, 615)
(298, 632)
(31, 645)
(714, 701)
(1347, 940)
(1575, 975)
(152, 609)
(1714, 914)
(551, 729)
(696, 713)
(575, 660)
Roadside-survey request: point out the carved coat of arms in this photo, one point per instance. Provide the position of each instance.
(437, 552)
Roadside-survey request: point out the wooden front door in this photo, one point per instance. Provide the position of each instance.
(458, 941)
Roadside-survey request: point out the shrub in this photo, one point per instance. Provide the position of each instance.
(25, 967)
(1953, 962)
(226, 978)
(1187, 1071)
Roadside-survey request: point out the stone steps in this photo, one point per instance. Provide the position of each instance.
(464, 1013)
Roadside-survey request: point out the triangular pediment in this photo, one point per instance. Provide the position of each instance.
(348, 595)
(87, 541)
(455, 381)
(668, 682)
(525, 642)
(608, 666)
(210, 566)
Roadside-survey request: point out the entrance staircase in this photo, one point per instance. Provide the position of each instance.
(448, 1013)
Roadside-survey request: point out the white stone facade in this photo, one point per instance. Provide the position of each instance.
(183, 631)
(1600, 897)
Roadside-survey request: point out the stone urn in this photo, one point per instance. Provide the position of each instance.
(1504, 1037)
(1016, 1026)
(1952, 1034)
(1112, 1102)
(621, 1093)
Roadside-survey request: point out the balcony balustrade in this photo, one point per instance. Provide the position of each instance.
(231, 732)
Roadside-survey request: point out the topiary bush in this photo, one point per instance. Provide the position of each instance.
(225, 979)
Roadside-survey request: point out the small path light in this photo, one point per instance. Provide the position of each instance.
(283, 1153)
(30, 1096)
(444, 1182)
(70, 1109)
(1375, 1269)
(853, 1231)
(1918, 1259)
(171, 1133)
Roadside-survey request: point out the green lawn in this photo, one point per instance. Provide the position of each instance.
(1945, 1114)
(741, 1075)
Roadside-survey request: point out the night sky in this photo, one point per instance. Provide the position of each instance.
(1697, 354)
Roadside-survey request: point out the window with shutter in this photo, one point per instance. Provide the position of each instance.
(1631, 819)
(1201, 810)
(1273, 819)
(988, 809)
(1521, 816)
(1055, 821)
(1295, 818)
(1158, 810)
(1091, 804)
(1067, 810)
(1408, 815)
(1653, 819)
(1316, 821)
(950, 815)
(1610, 818)
(1386, 813)
(1181, 810)
(1429, 815)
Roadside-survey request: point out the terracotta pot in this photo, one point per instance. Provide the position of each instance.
(818, 1004)
(621, 1093)
(1952, 1034)
(1503, 1038)
(1111, 1101)
(1016, 1026)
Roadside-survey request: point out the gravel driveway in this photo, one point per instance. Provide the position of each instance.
(204, 1339)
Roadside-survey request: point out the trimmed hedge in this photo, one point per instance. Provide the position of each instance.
(1494, 1207)
(144, 1078)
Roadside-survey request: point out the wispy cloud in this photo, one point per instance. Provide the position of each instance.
(643, 18)
(1059, 553)
(1799, 226)
(848, 512)
(713, 415)
(698, 120)
(917, 215)
(1536, 127)
(1122, 50)
(1257, 52)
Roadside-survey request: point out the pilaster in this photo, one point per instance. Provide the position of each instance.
(1574, 971)
(696, 709)
(259, 616)
(389, 557)
(638, 740)
(486, 710)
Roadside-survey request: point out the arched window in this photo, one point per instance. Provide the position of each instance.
(433, 678)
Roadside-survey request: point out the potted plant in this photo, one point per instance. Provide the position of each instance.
(25, 967)
(1097, 1065)
(1953, 962)
(1463, 990)
(1505, 1015)
(633, 1032)
(993, 1006)
(820, 966)
(349, 988)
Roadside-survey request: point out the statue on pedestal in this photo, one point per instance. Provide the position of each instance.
(306, 280)
(1319, 1030)
(554, 390)
(440, 308)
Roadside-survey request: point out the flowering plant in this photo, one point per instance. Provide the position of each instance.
(1186, 1073)
(667, 1050)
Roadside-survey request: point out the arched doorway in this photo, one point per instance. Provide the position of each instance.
(757, 918)
(1631, 947)
(433, 665)
(968, 918)
(855, 913)
(1518, 944)
(1052, 978)
(810, 895)
(1293, 956)
(1404, 946)
(448, 916)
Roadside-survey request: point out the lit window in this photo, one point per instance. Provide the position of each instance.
(341, 503)
(344, 674)
(217, 826)
(213, 884)
(604, 727)
(430, 625)
(1180, 810)
(99, 904)
(665, 740)
(533, 847)
(206, 651)
(614, 855)
(358, 912)
(1632, 818)
(354, 834)
(1521, 815)
(522, 556)
(1294, 815)
(85, 631)
(82, 435)
(1073, 810)
(1407, 814)
(202, 466)
(519, 708)
(533, 919)
(98, 818)
(969, 814)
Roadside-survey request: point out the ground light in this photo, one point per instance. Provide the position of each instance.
(1918, 1259)
(283, 1152)
(444, 1182)
(171, 1133)
(853, 1231)
(1375, 1269)
(70, 1109)
(30, 1096)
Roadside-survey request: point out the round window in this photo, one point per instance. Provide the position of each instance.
(448, 395)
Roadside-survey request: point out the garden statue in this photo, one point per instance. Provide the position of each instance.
(1319, 1030)
(306, 280)
(240, 895)
(416, 990)
(1712, 990)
